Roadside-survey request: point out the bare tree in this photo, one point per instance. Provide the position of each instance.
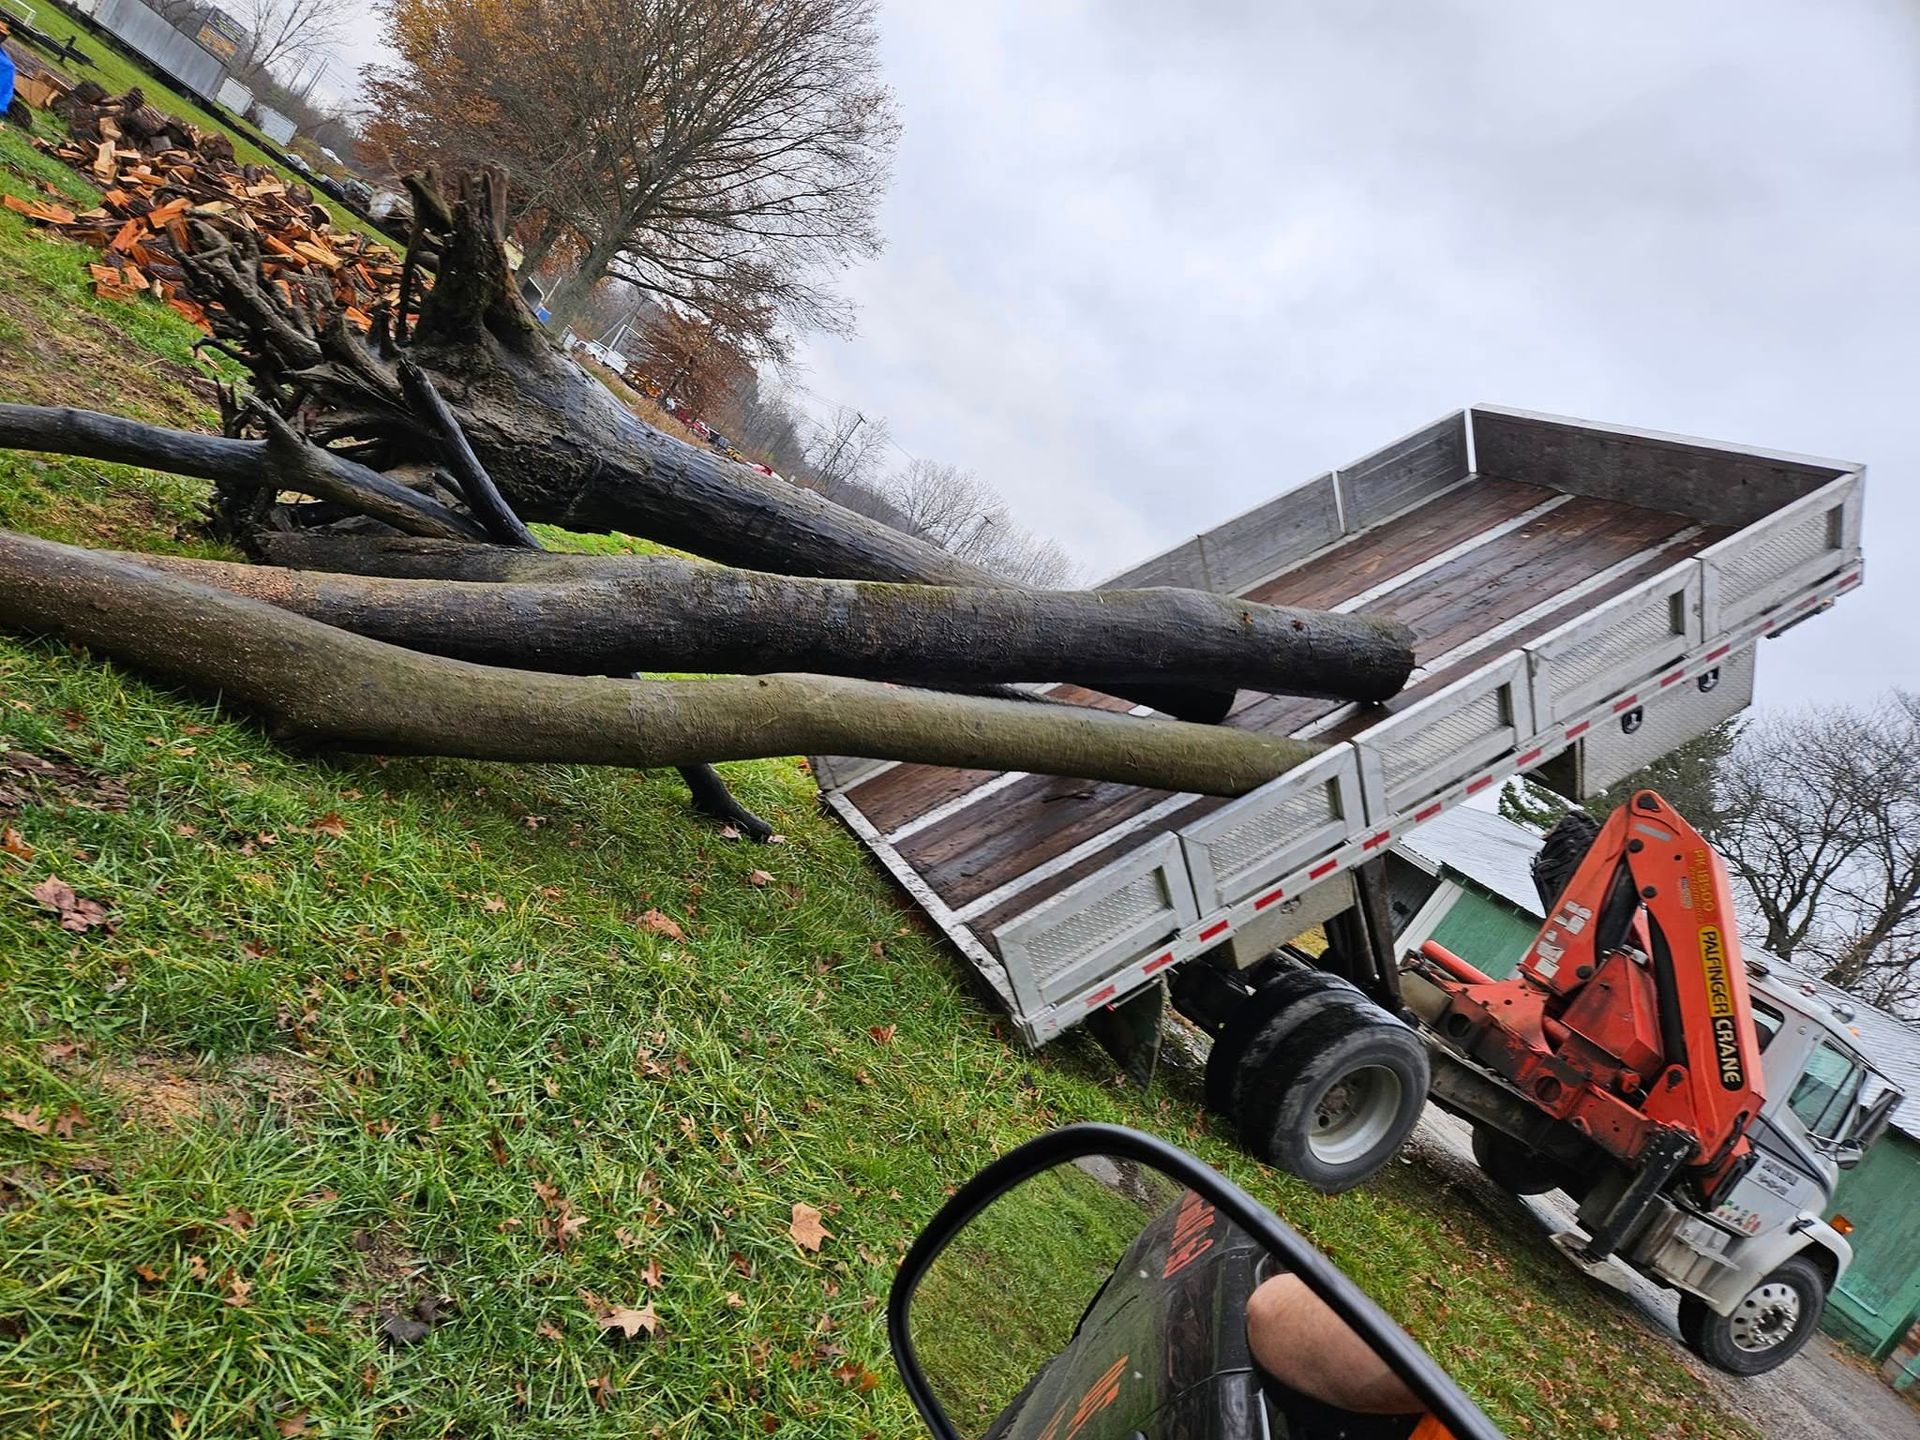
(1821, 822)
(721, 154)
(282, 32)
(967, 517)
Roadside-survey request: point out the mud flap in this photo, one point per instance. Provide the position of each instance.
(1130, 1032)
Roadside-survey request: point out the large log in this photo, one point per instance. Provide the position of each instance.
(555, 441)
(599, 614)
(318, 685)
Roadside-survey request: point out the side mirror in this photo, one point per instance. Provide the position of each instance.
(1097, 1282)
(1849, 1154)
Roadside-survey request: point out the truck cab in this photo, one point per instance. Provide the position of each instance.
(1755, 1269)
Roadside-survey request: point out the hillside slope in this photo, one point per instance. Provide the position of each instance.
(467, 1054)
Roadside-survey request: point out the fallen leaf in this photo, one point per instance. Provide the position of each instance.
(75, 914)
(734, 1302)
(759, 878)
(31, 1120)
(238, 1219)
(631, 1322)
(330, 824)
(882, 1034)
(729, 832)
(185, 830)
(197, 1266)
(11, 842)
(294, 1424)
(661, 925)
(69, 1117)
(651, 1275)
(239, 1292)
(255, 950)
(400, 1331)
(776, 839)
(152, 1274)
(741, 1263)
(806, 1229)
(769, 1423)
(600, 1387)
(547, 1330)
(493, 905)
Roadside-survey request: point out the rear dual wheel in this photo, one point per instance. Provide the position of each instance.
(1320, 1081)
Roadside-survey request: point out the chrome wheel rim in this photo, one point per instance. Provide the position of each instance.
(1354, 1115)
(1765, 1318)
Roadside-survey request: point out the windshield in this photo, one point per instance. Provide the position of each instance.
(1824, 1095)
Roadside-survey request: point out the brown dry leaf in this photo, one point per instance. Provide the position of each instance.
(729, 832)
(32, 1120)
(734, 1302)
(330, 824)
(152, 1274)
(759, 878)
(769, 1423)
(493, 905)
(600, 1387)
(661, 925)
(238, 1219)
(11, 842)
(294, 1424)
(239, 1292)
(630, 1322)
(547, 1330)
(75, 914)
(776, 839)
(741, 1263)
(184, 830)
(882, 1034)
(651, 1275)
(197, 1266)
(69, 1117)
(806, 1229)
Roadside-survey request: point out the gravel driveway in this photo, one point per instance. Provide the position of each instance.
(1821, 1393)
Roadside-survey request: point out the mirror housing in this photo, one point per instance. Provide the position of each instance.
(1427, 1381)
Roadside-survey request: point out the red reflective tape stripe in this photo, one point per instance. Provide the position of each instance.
(1380, 839)
(1219, 927)
(1853, 579)
(1626, 704)
(1104, 993)
(1716, 654)
(1268, 899)
(1675, 678)
(1574, 732)
(1158, 962)
(1325, 867)
(1474, 787)
(1529, 757)
(1428, 813)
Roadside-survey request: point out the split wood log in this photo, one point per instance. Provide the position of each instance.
(656, 612)
(318, 685)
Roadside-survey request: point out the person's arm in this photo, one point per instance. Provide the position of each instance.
(1296, 1338)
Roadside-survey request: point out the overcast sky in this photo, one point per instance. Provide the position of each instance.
(1149, 264)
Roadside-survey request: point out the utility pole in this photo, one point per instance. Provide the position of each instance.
(826, 466)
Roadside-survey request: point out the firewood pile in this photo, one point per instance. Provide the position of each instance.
(160, 174)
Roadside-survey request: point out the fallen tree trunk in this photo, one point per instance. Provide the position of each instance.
(557, 444)
(318, 685)
(655, 612)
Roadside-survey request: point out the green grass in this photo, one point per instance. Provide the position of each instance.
(363, 1033)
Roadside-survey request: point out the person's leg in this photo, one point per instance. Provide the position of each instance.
(1296, 1338)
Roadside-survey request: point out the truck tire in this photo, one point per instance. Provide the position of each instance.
(1261, 1009)
(1333, 1101)
(1770, 1326)
(1510, 1165)
(1560, 855)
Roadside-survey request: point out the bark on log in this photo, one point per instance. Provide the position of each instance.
(318, 685)
(558, 445)
(659, 613)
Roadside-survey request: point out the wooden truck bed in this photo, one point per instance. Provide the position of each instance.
(1580, 595)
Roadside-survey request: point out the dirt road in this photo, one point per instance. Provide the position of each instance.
(1821, 1393)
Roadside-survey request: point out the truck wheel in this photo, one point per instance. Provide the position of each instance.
(1227, 1058)
(1768, 1328)
(1333, 1102)
(1560, 854)
(1510, 1165)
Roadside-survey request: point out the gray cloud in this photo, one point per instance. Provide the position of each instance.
(1149, 264)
